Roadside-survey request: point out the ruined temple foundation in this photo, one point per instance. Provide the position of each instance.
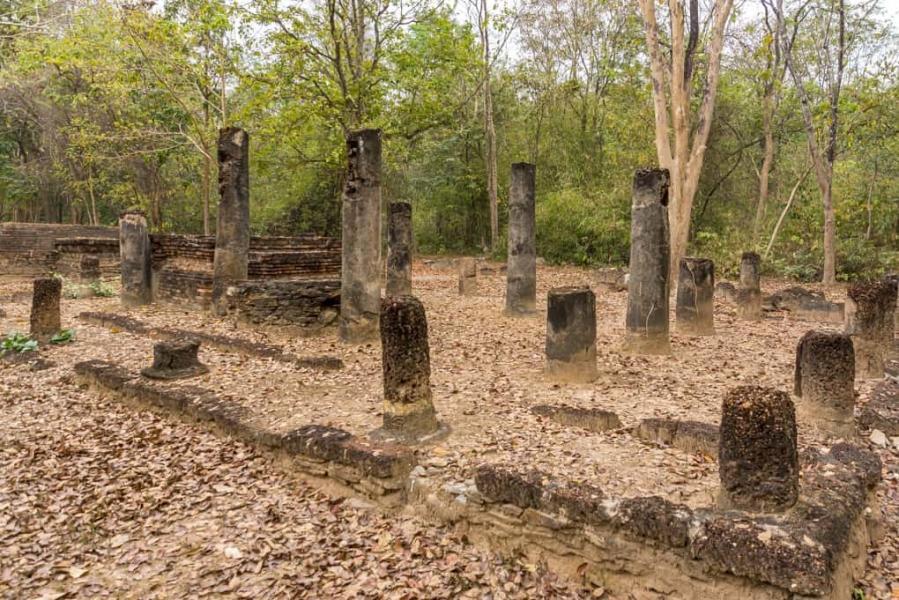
(695, 308)
(232, 234)
(749, 294)
(409, 414)
(571, 334)
(521, 273)
(135, 252)
(45, 319)
(360, 296)
(825, 381)
(647, 303)
(758, 460)
(175, 360)
(468, 277)
(870, 321)
(399, 249)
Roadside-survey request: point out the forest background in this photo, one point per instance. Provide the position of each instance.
(110, 105)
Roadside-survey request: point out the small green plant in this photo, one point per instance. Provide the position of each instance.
(858, 594)
(63, 337)
(102, 290)
(17, 342)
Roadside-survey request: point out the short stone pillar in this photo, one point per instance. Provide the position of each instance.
(175, 359)
(521, 267)
(749, 295)
(825, 381)
(695, 308)
(468, 276)
(870, 321)
(360, 289)
(648, 286)
(134, 252)
(571, 334)
(758, 461)
(399, 249)
(89, 268)
(232, 233)
(408, 408)
(45, 319)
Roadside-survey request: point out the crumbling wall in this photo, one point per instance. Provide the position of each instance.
(34, 249)
(183, 273)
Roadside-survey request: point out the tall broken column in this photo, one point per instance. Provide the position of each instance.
(758, 460)
(648, 287)
(360, 290)
(45, 300)
(749, 295)
(870, 321)
(825, 381)
(399, 249)
(571, 334)
(134, 252)
(695, 308)
(408, 406)
(521, 268)
(232, 234)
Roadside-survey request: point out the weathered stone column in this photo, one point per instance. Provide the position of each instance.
(399, 249)
(521, 268)
(360, 291)
(232, 233)
(825, 381)
(45, 319)
(408, 408)
(571, 334)
(695, 308)
(468, 276)
(749, 296)
(757, 457)
(648, 287)
(870, 321)
(134, 252)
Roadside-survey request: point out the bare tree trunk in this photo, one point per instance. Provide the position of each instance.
(764, 174)
(207, 179)
(786, 209)
(489, 128)
(869, 202)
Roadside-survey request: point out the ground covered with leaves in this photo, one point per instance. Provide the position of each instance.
(100, 499)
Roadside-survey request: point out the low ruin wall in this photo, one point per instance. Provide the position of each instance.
(81, 252)
(183, 268)
(291, 303)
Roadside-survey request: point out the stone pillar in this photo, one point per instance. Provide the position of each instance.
(468, 276)
(749, 296)
(399, 249)
(825, 381)
(134, 252)
(360, 290)
(521, 268)
(45, 319)
(648, 287)
(571, 334)
(232, 233)
(758, 462)
(870, 321)
(695, 308)
(408, 408)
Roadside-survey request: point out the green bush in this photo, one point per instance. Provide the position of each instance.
(575, 229)
(17, 342)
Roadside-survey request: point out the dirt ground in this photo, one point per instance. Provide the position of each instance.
(99, 499)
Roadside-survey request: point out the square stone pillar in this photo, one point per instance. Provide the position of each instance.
(695, 308)
(521, 268)
(232, 233)
(360, 291)
(45, 313)
(399, 249)
(648, 286)
(135, 254)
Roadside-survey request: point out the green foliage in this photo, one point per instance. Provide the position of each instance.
(65, 336)
(102, 290)
(575, 229)
(17, 342)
